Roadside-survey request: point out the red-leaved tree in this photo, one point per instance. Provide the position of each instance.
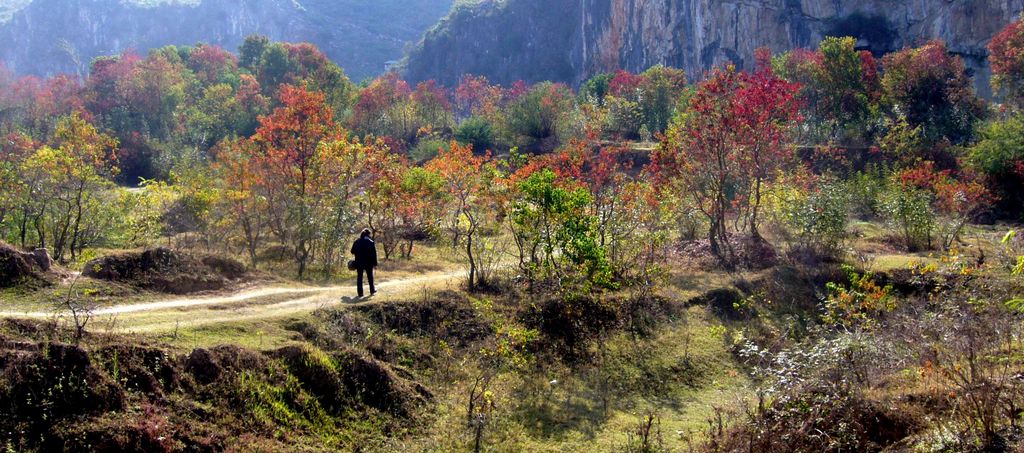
(1006, 55)
(732, 139)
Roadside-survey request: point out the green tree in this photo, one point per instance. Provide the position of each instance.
(596, 88)
(930, 88)
(554, 233)
(251, 51)
(662, 88)
(840, 89)
(532, 119)
(849, 87)
(71, 179)
(274, 65)
(216, 115)
(999, 155)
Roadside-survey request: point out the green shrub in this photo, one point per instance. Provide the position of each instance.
(864, 190)
(625, 118)
(1001, 147)
(999, 155)
(819, 219)
(427, 149)
(533, 117)
(909, 212)
(476, 131)
(859, 304)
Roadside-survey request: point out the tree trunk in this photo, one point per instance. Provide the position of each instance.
(713, 239)
(76, 229)
(301, 255)
(754, 210)
(24, 225)
(472, 262)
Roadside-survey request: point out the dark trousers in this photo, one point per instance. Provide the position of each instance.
(369, 277)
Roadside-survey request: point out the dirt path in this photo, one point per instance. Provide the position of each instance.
(251, 304)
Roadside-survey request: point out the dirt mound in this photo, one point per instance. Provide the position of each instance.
(226, 267)
(119, 395)
(449, 316)
(726, 303)
(148, 370)
(378, 385)
(203, 366)
(909, 282)
(208, 365)
(277, 254)
(167, 271)
(54, 382)
(570, 325)
(796, 290)
(346, 376)
(17, 267)
(750, 253)
(28, 330)
(120, 435)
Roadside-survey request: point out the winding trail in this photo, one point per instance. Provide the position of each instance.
(251, 304)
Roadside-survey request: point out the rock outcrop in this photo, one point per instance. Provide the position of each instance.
(571, 40)
(17, 267)
(45, 37)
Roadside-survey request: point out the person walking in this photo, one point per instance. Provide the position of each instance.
(365, 251)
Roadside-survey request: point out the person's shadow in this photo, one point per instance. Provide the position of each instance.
(354, 300)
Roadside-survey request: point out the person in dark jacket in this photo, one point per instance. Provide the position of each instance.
(365, 251)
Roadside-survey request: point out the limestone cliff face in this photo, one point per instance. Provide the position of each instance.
(585, 37)
(49, 36)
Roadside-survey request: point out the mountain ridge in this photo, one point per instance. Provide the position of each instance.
(587, 37)
(63, 36)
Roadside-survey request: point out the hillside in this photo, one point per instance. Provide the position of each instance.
(570, 40)
(820, 254)
(44, 37)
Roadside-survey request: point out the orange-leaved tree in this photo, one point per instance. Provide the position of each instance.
(469, 185)
(296, 171)
(383, 199)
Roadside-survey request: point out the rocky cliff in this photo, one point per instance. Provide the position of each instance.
(570, 40)
(50, 36)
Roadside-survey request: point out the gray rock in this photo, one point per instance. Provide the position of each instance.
(43, 259)
(572, 40)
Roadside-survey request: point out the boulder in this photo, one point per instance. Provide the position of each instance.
(42, 259)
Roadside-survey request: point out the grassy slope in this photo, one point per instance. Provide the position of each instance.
(680, 373)
(569, 415)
